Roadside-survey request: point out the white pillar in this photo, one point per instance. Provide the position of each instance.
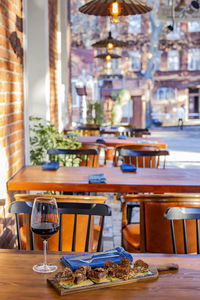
(63, 65)
(36, 63)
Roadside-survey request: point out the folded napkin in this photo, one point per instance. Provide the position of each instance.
(100, 140)
(95, 260)
(128, 168)
(113, 127)
(122, 137)
(97, 178)
(52, 165)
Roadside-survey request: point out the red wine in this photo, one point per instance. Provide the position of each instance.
(45, 229)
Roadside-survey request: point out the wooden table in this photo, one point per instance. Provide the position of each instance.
(112, 142)
(19, 281)
(76, 180)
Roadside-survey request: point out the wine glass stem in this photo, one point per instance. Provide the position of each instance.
(45, 253)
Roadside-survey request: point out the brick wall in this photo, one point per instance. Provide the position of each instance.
(11, 100)
(11, 84)
(53, 61)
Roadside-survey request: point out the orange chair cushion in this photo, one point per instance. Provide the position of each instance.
(131, 237)
(68, 222)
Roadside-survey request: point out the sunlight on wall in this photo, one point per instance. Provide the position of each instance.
(3, 172)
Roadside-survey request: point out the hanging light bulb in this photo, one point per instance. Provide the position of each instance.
(108, 57)
(110, 46)
(114, 20)
(115, 11)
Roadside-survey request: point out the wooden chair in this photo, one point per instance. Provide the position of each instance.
(77, 231)
(74, 157)
(133, 132)
(102, 152)
(141, 158)
(89, 130)
(139, 132)
(118, 158)
(183, 213)
(153, 233)
(129, 132)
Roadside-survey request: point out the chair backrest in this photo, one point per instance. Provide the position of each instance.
(133, 132)
(66, 208)
(155, 231)
(74, 157)
(183, 213)
(102, 153)
(143, 158)
(117, 159)
(129, 132)
(89, 130)
(139, 132)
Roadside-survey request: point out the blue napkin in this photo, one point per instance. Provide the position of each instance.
(113, 127)
(97, 178)
(52, 165)
(100, 140)
(122, 137)
(128, 168)
(98, 260)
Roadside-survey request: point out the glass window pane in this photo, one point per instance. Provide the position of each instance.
(193, 59)
(135, 60)
(173, 60)
(193, 26)
(158, 60)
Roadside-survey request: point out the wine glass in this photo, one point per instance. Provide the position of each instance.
(44, 222)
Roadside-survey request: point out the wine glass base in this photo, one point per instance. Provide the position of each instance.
(42, 268)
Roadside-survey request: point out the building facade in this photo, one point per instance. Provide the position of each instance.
(170, 70)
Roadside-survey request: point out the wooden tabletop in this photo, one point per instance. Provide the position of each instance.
(114, 141)
(19, 281)
(75, 179)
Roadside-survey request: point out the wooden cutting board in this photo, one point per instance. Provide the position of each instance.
(151, 275)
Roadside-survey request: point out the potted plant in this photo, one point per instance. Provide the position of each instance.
(44, 135)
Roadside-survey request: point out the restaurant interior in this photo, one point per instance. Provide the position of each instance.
(99, 147)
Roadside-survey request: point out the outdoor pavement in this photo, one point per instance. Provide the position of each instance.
(184, 148)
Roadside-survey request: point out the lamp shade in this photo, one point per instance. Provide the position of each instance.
(105, 55)
(110, 40)
(102, 7)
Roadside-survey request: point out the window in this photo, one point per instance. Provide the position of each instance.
(193, 59)
(164, 93)
(134, 25)
(135, 60)
(158, 60)
(173, 60)
(115, 65)
(193, 26)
